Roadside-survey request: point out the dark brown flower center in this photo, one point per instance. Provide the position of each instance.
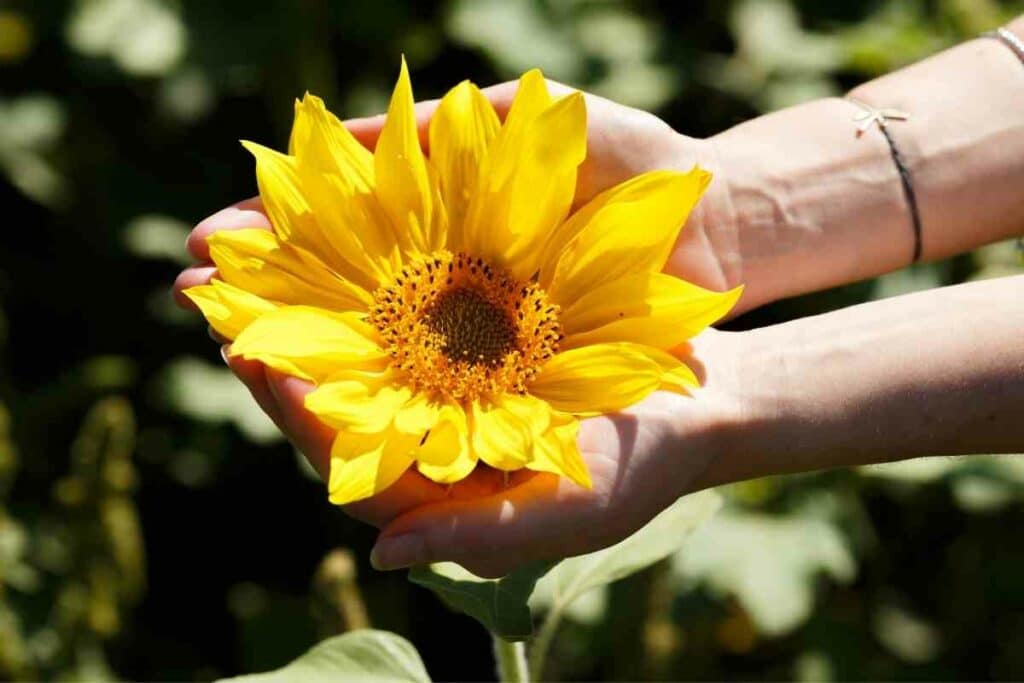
(473, 328)
(460, 329)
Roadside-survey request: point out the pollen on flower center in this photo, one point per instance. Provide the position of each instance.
(460, 329)
(474, 329)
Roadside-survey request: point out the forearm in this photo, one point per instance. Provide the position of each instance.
(934, 373)
(804, 203)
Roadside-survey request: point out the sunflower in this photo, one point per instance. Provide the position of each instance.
(451, 309)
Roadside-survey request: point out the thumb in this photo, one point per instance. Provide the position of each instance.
(541, 517)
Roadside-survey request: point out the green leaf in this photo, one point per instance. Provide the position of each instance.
(365, 656)
(770, 564)
(158, 237)
(500, 605)
(211, 393)
(503, 606)
(660, 538)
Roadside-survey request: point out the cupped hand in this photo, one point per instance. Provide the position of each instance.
(622, 142)
(640, 460)
(621, 450)
(282, 397)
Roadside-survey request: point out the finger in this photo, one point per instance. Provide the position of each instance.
(217, 336)
(410, 491)
(311, 436)
(481, 482)
(542, 518)
(314, 439)
(254, 377)
(245, 214)
(367, 129)
(191, 277)
(413, 490)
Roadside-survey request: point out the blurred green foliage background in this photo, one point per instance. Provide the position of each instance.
(154, 526)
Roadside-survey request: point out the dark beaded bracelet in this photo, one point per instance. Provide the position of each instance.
(869, 115)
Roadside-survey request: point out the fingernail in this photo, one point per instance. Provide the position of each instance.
(397, 552)
(224, 353)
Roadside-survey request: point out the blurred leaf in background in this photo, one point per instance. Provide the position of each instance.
(143, 37)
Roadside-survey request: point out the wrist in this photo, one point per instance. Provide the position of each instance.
(745, 391)
(707, 252)
(715, 216)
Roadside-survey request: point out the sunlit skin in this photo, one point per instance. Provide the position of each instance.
(620, 449)
(926, 374)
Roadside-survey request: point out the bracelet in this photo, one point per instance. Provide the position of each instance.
(1016, 45)
(870, 115)
(1007, 38)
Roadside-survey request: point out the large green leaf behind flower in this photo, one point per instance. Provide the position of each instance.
(503, 606)
(366, 656)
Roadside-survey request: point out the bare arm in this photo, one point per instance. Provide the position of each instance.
(940, 372)
(800, 202)
(934, 373)
(803, 203)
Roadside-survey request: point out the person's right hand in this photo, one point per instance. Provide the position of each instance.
(623, 142)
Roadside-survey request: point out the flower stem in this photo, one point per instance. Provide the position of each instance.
(542, 641)
(511, 659)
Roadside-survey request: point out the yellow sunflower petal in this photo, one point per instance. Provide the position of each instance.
(309, 342)
(403, 181)
(634, 190)
(529, 187)
(316, 210)
(602, 378)
(557, 451)
(281, 190)
(301, 128)
(456, 470)
(552, 438)
(322, 142)
(347, 446)
(358, 241)
(336, 177)
(461, 130)
(487, 211)
(445, 456)
(530, 100)
(631, 230)
(228, 309)
(500, 438)
(358, 406)
(257, 261)
(545, 181)
(417, 416)
(676, 375)
(535, 414)
(363, 465)
(647, 308)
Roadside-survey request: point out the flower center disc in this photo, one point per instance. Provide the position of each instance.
(459, 329)
(474, 329)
